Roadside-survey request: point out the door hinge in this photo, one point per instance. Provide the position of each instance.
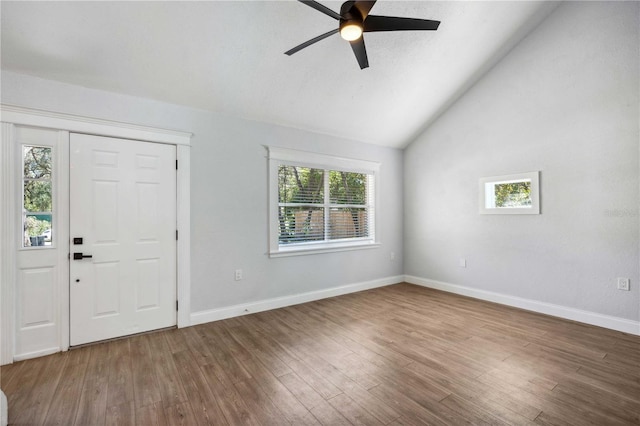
(176, 234)
(176, 164)
(176, 305)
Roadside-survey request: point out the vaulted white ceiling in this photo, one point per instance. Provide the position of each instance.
(227, 56)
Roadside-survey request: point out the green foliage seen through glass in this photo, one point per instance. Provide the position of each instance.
(300, 185)
(37, 196)
(35, 226)
(37, 162)
(305, 187)
(517, 194)
(347, 187)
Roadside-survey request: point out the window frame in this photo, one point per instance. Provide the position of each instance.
(291, 157)
(485, 196)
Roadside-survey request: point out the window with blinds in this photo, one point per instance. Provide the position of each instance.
(322, 202)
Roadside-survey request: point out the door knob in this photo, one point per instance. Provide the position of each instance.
(80, 256)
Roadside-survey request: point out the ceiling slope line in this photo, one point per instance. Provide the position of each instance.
(501, 53)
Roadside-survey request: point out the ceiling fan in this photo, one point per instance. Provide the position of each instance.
(354, 20)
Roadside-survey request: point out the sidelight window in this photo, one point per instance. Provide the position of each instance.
(37, 196)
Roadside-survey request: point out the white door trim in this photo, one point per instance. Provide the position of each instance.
(14, 115)
(93, 126)
(8, 243)
(61, 219)
(183, 253)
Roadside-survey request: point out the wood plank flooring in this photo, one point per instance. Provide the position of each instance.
(398, 355)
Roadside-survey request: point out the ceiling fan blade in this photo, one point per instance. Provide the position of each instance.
(321, 8)
(310, 42)
(393, 23)
(364, 6)
(360, 52)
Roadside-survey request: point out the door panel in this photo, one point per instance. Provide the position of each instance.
(37, 295)
(123, 206)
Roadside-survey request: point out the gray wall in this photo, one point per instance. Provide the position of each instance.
(229, 194)
(565, 102)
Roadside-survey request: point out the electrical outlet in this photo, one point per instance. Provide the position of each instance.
(238, 274)
(463, 263)
(623, 284)
(392, 256)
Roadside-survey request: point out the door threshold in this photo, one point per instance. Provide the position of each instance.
(113, 339)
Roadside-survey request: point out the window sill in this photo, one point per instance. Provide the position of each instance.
(324, 248)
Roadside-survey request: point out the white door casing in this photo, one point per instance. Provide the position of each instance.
(123, 206)
(21, 336)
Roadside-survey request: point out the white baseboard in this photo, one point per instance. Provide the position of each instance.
(202, 317)
(587, 317)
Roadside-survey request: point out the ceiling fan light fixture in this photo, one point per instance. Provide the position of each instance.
(351, 31)
(353, 16)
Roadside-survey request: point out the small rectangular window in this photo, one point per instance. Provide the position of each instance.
(323, 203)
(510, 194)
(37, 199)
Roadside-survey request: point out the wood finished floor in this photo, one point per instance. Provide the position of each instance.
(398, 355)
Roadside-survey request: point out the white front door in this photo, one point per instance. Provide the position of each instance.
(123, 208)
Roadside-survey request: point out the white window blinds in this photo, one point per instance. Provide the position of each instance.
(321, 201)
